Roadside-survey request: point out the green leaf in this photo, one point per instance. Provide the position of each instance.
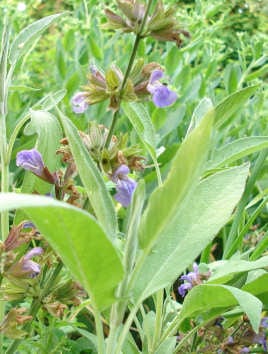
(205, 297)
(237, 150)
(223, 271)
(167, 346)
(194, 225)
(258, 287)
(78, 239)
(91, 178)
(26, 37)
(203, 108)
(231, 104)
(184, 174)
(141, 121)
(49, 133)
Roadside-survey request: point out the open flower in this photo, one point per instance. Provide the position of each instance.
(191, 279)
(25, 267)
(161, 94)
(31, 160)
(125, 186)
(79, 103)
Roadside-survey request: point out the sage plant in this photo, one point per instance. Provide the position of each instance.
(92, 234)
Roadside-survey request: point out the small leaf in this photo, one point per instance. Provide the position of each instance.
(141, 121)
(78, 239)
(205, 297)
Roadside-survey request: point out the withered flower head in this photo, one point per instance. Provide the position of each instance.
(161, 25)
(10, 325)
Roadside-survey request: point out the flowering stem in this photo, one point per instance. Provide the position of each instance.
(36, 304)
(129, 67)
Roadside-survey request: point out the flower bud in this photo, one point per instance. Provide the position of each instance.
(25, 267)
(79, 102)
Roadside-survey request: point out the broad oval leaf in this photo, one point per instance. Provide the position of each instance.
(91, 178)
(205, 297)
(78, 239)
(195, 225)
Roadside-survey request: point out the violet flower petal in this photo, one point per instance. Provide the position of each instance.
(31, 160)
(79, 104)
(183, 288)
(163, 96)
(36, 251)
(121, 170)
(264, 322)
(125, 188)
(155, 76)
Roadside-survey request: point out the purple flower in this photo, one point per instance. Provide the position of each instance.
(30, 267)
(125, 186)
(264, 322)
(31, 160)
(162, 95)
(245, 350)
(191, 279)
(260, 339)
(79, 103)
(25, 267)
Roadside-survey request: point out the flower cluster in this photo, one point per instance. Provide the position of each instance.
(138, 86)
(192, 279)
(161, 25)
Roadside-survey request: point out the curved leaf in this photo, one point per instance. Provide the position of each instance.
(92, 179)
(26, 37)
(236, 150)
(78, 239)
(205, 297)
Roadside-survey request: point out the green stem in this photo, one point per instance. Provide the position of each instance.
(126, 328)
(99, 330)
(36, 304)
(185, 338)
(127, 73)
(158, 320)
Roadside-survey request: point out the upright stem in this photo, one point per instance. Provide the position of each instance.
(129, 67)
(99, 331)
